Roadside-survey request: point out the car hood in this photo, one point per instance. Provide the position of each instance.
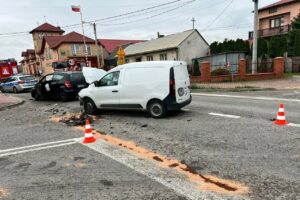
(92, 74)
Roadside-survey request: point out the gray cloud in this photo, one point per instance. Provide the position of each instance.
(20, 15)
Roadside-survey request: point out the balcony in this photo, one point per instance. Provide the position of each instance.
(271, 31)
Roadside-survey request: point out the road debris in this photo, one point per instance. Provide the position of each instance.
(77, 119)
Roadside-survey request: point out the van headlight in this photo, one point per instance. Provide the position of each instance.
(180, 91)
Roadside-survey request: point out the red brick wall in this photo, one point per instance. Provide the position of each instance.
(241, 76)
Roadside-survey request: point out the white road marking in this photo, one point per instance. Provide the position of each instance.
(246, 97)
(223, 115)
(39, 145)
(36, 147)
(165, 176)
(294, 125)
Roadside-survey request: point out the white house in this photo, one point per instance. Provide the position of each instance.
(181, 46)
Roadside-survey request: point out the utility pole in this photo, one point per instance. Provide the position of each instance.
(84, 42)
(97, 47)
(193, 20)
(255, 33)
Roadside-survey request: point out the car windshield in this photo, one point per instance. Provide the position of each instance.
(27, 78)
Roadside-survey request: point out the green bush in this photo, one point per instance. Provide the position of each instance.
(220, 71)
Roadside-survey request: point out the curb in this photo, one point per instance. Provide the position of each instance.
(12, 105)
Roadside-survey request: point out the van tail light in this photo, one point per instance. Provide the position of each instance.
(172, 82)
(67, 84)
(21, 82)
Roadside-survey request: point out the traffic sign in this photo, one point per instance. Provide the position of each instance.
(121, 56)
(5, 71)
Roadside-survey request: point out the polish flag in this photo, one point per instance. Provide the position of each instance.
(76, 8)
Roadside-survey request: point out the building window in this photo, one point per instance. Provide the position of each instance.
(75, 49)
(277, 22)
(272, 10)
(149, 58)
(126, 60)
(163, 56)
(88, 50)
(41, 35)
(139, 59)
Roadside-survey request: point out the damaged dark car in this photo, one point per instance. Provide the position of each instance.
(63, 86)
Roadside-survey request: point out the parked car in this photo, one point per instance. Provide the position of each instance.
(18, 83)
(157, 87)
(59, 85)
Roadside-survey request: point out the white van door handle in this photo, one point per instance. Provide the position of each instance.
(115, 91)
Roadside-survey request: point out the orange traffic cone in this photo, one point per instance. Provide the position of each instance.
(280, 120)
(88, 136)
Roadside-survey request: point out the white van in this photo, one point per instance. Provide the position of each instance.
(155, 86)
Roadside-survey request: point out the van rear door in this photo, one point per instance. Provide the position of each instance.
(182, 83)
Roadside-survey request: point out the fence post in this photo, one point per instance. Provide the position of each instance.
(205, 71)
(242, 69)
(279, 67)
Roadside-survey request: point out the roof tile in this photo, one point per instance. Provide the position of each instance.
(47, 27)
(111, 44)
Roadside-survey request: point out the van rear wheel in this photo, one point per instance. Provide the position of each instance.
(156, 109)
(89, 107)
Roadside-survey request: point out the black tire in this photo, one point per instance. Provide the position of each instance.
(35, 94)
(15, 90)
(89, 107)
(63, 97)
(2, 90)
(156, 109)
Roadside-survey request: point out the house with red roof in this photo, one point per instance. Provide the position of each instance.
(52, 45)
(275, 19)
(66, 47)
(111, 47)
(29, 62)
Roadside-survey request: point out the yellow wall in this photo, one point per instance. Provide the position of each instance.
(50, 56)
(65, 50)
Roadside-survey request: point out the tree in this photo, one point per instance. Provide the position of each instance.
(196, 70)
(297, 44)
(214, 47)
(277, 46)
(262, 48)
(296, 22)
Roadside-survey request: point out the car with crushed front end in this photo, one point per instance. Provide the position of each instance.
(63, 86)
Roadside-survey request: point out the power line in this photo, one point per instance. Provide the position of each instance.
(150, 17)
(221, 13)
(103, 19)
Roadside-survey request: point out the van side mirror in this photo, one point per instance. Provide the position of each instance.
(97, 84)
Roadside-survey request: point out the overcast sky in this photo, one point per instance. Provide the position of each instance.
(215, 19)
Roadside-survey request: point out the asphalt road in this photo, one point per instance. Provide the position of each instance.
(248, 149)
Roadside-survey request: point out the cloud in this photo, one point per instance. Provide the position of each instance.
(20, 15)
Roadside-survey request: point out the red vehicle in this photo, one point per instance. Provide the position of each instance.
(8, 68)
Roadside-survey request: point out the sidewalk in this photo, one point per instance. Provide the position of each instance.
(7, 101)
(279, 84)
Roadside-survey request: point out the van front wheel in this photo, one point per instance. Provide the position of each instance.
(156, 109)
(89, 106)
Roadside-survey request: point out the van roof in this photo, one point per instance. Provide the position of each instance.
(167, 64)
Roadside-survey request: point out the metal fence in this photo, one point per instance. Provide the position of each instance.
(263, 66)
(229, 61)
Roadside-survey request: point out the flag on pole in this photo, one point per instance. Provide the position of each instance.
(76, 8)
